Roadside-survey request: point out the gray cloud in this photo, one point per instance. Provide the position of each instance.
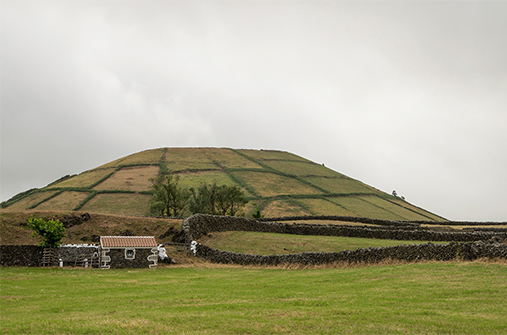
(401, 95)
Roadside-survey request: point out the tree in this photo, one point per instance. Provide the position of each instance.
(51, 231)
(217, 200)
(257, 214)
(168, 197)
(203, 199)
(234, 199)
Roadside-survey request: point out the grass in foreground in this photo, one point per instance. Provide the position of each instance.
(280, 244)
(424, 298)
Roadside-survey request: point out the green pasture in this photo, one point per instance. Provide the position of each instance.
(281, 244)
(422, 298)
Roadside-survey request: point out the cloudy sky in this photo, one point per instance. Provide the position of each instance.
(403, 95)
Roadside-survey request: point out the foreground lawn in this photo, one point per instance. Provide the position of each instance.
(425, 298)
(280, 244)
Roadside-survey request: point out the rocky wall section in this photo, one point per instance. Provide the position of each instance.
(31, 255)
(382, 222)
(198, 225)
(20, 255)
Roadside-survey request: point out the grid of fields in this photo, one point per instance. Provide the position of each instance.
(339, 185)
(65, 201)
(85, 179)
(325, 207)
(270, 184)
(281, 184)
(302, 168)
(357, 205)
(130, 179)
(32, 200)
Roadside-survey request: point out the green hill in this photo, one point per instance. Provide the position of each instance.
(280, 183)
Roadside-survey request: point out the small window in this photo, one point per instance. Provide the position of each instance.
(130, 253)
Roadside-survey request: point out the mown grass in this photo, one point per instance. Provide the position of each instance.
(423, 298)
(280, 244)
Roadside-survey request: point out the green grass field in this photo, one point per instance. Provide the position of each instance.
(423, 298)
(280, 244)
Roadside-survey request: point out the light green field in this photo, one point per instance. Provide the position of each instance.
(85, 179)
(424, 298)
(65, 201)
(324, 207)
(256, 243)
(270, 184)
(32, 200)
(122, 204)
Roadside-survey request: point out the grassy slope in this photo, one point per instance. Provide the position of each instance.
(280, 183)
(13, 228)
(424, 298)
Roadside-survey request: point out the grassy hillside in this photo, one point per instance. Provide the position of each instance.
(278, 182)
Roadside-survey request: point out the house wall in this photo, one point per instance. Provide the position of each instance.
(118, 260)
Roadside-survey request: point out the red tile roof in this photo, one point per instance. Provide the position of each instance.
(128, 242)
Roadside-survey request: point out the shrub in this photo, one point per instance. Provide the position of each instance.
(51, 231)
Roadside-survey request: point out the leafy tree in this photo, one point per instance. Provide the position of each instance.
(51, 231)
(217, 200)
(203, 199)
(231, 199)
(168, 197)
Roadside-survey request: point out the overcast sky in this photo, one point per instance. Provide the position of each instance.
(403, 95)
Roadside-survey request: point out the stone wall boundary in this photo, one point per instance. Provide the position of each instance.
(381, 222)
(31, 255)
(411, 253)
(198, 225)
(466, 246)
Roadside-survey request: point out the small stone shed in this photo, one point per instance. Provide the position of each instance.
(118, 252)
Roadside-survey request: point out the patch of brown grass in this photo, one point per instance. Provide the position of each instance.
(66, 201)
(130, 179)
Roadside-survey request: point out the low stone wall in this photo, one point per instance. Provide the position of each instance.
(382, 222)
(341, 218)
(20, 255)
(71, 253)
(409, 253)
(31, 255)
(198, 225)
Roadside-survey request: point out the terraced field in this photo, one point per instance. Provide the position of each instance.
(278, 182)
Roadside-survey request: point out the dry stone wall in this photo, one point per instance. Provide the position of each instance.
(464, 246)
(198, 225)
(409, 253)
(31, 255)
(20, 255)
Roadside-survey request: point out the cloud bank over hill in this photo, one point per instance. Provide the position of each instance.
(406, 96)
